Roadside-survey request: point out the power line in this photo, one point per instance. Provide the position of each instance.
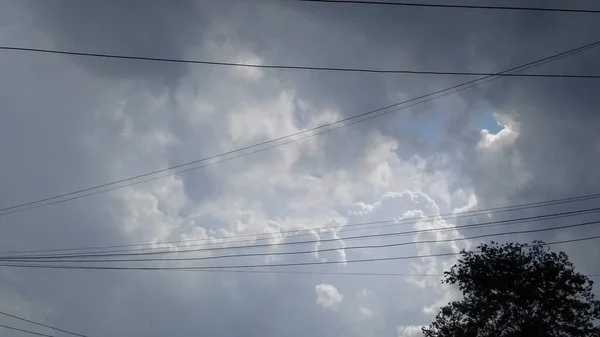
(41, 324)
(332, 273)
(25, 331)
(290, 67)
(305, 272)
(377, 246)
(415, 4)
(427, 97)
(338, 124)
(314, 272)
(238, 267)
(366, 236)
(294, 233)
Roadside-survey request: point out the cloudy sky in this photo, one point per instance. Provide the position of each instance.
(73, 122)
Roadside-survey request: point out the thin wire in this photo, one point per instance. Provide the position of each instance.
(303, 272)
(288, 67)
(238, 267)
(308, 273)
(294, 233)
(41, 324)
(25, 331)
(378, 246)
(370, 236)
(366, 236)
(414, 4)
(421, 99)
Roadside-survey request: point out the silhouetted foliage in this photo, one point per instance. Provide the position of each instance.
(519, 290)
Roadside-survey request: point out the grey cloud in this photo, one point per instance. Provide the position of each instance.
(50, 105)
(123, 28)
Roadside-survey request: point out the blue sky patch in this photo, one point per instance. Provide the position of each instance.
(486, 120)
(428, 128)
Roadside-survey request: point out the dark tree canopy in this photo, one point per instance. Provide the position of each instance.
(515, 290)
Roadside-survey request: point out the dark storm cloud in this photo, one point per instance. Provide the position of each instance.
(48, 106)
(376, 36)
(319, 34)
(556, 152)
(162, 29)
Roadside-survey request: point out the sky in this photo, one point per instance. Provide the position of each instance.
(72, 122)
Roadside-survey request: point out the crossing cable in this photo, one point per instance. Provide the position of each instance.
(335, 125)
(321, 273)
(298, 233)
(41, 324)
(25, 331)
(238, 267)
(424, 5)
(291, 67)
(280, 244)
(312, 251)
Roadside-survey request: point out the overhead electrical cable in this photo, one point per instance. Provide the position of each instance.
(280, 244)
(25, 331)
(290, 67)
(456, 6)
(298, 233)
(315, 272)
(41, 324)
(311, 251)
(93, 190)
(252, 266)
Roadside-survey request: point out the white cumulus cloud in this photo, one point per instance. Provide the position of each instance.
(328, 296)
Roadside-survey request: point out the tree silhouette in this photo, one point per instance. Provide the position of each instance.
(517, 290)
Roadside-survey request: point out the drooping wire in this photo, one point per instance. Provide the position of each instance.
(273, 265)
(453, 6)
(298, 233)
(311, 251)
(280, 244)
(93, 190)
(40, 324)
